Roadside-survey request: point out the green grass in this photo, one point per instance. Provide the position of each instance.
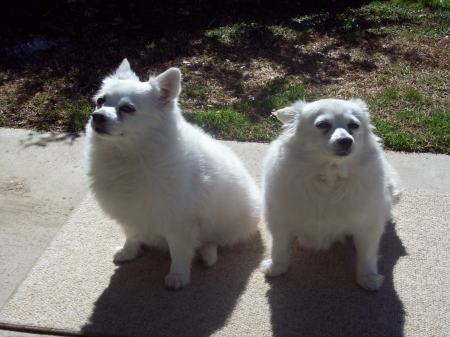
(405, 18)
(78, 114)
(283, 32)
(240, 32)
(413, 95)
(437, 127)
(434, 134)
(275, 95)
(435, 4)
(410, 110)
(407, 120)
(197, 91)
(250, 119)
(401, 116)
(227, 123)
(228, 34)
(395, 138)
(45, 110)
(387, 95)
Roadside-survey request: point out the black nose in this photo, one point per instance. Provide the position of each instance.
(98, 118)
(345, 143)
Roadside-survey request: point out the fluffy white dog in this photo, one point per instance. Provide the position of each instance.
(325, 178)
(165, 181)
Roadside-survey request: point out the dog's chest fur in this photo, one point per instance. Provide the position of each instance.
(135, 190)
(329, 203)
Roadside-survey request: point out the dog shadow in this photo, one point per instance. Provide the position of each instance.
(136, 303)
(319, 295)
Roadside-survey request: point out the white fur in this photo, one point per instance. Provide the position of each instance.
(165, 181)
(318, 197)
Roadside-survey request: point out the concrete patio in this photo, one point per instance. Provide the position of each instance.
(57, 276)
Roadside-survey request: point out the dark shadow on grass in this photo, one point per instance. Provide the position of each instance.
(319, 296)
(136, 302)
(101, 34)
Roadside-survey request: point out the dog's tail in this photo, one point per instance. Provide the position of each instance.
(393, 184)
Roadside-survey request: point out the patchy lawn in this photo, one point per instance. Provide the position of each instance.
(237, 67)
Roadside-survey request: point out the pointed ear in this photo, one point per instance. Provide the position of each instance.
(362, 105)
(287, 115)
(169, 84)
(124, 72)
(359, 102)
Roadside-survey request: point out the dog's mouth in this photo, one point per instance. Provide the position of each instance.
(100, 130)
(342, 153)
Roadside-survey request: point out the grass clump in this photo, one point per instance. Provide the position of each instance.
(400, 134)
(434, 4)
(77, 115)
(408, 19)
(409, 120)
(197, 91)
(224, 122)
(277, 94)
(283, 32)
(413, 95)
(388, 95)
(227, 123)
(232, 33)
(395, 137)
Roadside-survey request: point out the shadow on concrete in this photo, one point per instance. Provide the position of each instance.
(43, 139)
(136, 302)
(319, 297)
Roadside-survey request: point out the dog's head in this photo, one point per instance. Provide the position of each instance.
(125, 106)
(330, 127)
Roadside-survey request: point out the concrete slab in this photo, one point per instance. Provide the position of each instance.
(10, 333)
(41, 181)
(422, 171)
(75, 286)
(418, 171)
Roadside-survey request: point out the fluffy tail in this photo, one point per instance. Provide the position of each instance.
(393, 184)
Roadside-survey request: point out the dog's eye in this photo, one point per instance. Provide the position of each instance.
(324, 125)
(127, 109)
(100, 101)
(353, 125)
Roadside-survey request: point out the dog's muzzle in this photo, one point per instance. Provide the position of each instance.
(343, 146)
(98, 122)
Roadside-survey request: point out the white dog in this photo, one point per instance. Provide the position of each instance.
(165, 181)
(325, 178)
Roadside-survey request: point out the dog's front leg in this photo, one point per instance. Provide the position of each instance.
(366, 243)
(129, 251)
(280, 252)
(181, 248)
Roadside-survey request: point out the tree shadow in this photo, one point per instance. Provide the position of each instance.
(44, 139)
(99, 35)
(139, 31)
(136, 302)
(319, 296)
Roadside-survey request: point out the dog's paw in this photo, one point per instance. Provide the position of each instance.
(371, 282)
(176, 280)
(208, 254)
(271, 269)
(124, 254)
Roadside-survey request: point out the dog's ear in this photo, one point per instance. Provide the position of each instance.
(287, 115)
(169, 84)
(124, 72)
(362, 105)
